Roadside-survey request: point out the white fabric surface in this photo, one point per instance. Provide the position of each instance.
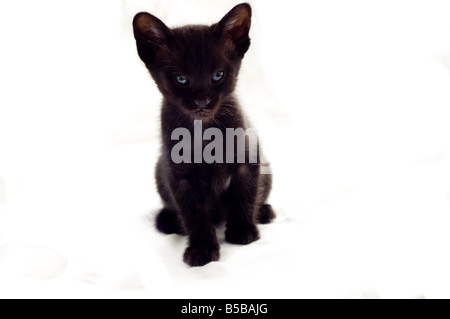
(351, 100)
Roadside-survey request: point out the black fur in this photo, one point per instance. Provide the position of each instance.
(195, 195)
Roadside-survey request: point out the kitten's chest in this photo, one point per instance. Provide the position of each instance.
(220, 185)
(215, 179)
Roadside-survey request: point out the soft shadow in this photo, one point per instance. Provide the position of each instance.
(2, 191)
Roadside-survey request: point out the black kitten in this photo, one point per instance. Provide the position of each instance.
(195, 68)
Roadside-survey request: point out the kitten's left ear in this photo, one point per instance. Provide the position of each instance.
(235, 26)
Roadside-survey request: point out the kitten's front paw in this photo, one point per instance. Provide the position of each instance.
(200, 256)
(242, 235)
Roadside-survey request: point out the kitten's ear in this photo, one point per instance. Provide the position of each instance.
(152, 36)
(235, 26)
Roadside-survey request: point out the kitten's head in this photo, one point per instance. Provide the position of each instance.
(195, 67)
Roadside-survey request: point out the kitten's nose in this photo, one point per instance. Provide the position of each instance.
(202, 104)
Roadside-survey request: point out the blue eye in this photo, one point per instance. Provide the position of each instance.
(217, 76)
(181, 79)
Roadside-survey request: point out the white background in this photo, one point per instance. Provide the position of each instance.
(351, 100)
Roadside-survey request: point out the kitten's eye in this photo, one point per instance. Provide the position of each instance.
(181, 79)
(217, 76)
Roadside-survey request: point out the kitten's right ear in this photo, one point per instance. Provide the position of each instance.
(235, 26)
(152, 36)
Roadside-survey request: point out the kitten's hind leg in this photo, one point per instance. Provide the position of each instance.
(266, 214)
(167, 222)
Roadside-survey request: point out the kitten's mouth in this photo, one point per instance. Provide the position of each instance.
(203, 113)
